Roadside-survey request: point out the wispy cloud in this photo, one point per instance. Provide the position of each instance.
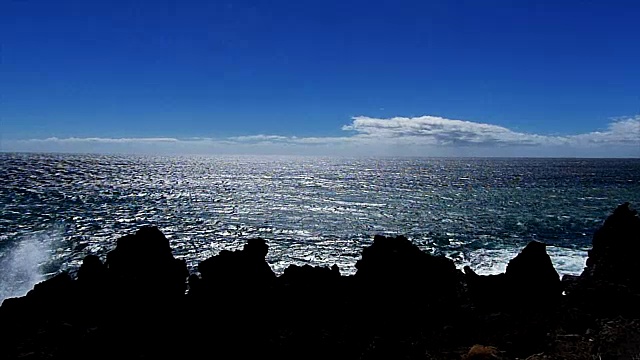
(624, 131)
(428, 135)
(104, 140)
(258, 138)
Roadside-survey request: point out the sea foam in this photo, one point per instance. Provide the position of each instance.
(21, 264)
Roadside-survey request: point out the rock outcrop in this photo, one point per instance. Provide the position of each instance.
(142, 265)
(529, 280)
(239, 270)
(610, 283)
(616, 248)
(531, 277)
(401, 303)
(397, 266)
(399, 287)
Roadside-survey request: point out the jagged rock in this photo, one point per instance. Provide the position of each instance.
(143, 264)
(235, 288)
(610, 284)
(302, 288)
(307, 275)
(396, 261)
(532, 277)
(616, 247)
(399, 282)
(402, 303)
(49, 299)
(92, 270)
(52, 288)
(241, 268)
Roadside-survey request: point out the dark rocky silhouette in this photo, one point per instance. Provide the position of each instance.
(48, 300)
(530, 279)
(524, 297)
(143, 264)
(397, 266)
(610, 283)
(92, 271)
(401, 290)
(616, 246)
(402, 303)
(487, 291)
(240, 270)
(309, 276)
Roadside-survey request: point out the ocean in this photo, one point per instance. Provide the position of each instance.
(58, 208)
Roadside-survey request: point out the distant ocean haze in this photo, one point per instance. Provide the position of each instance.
(58, 208)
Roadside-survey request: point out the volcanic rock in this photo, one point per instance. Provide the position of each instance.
(399, 283)
(238, 269)
(531, 276)
(530, 279)
(143, 265)
(610, 284)
(616, 247)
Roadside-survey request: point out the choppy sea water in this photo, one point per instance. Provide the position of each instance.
(57, 208)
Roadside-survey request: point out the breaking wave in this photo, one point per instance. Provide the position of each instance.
(22, 263)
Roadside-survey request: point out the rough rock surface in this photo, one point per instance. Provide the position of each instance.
(238, 269)
(143, 264)
(398, 266)
(616, 247)
(610, 283)
(532, 277)
(529, 280)
(402, 303)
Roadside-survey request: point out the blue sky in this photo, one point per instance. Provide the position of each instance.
(522, 78)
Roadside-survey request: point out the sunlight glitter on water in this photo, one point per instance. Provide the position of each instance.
(311, 210)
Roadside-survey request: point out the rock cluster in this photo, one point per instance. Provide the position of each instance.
(401, 303)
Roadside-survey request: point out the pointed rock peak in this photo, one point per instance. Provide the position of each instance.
(535, 247)
(533, 260)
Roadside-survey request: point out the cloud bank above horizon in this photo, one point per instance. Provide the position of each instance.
(423, 135)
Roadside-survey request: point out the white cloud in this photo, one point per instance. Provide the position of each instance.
(621, 132)
(441, 131)
(424, 135)
(258, 138)
(104, 140)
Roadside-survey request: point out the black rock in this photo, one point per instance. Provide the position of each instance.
(396, 262)
(238, 269)
(531, 276)
(92, 270)
(309, 276)
(400, 283)
(616, 248)
(530, 279)
(310, 291)
(48, 300)
(142, 265)
(488, 292)
(609, 286)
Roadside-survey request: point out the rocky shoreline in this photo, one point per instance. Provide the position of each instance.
(402, 303)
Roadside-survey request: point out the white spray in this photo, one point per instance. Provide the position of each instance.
(20, 265)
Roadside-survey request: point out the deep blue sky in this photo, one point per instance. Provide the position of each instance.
(299, 68)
